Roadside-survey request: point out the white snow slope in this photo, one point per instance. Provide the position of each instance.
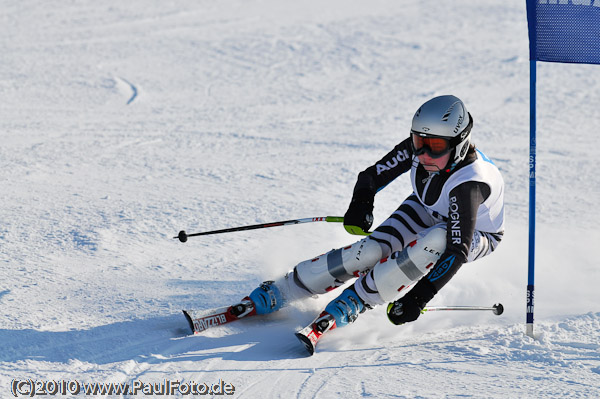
(123, 122)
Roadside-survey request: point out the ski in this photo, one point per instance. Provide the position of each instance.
(310, 335)
(201, 320)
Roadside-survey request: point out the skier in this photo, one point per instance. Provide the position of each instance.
(454, 215)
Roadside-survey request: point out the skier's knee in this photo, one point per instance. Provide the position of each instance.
(328, 271)
(402, 269)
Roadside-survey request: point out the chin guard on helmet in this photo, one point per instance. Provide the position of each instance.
(461, 144)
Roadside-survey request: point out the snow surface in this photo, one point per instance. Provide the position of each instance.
(125, 122)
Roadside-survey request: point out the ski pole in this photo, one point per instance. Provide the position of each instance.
(498, 309)
(183, 236)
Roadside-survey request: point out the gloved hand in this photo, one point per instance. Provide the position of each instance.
(359, 216)
(410, 306)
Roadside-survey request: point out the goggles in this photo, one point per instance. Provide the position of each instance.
(435, 147)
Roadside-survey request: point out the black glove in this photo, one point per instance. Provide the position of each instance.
(359, 215)
(410, 306)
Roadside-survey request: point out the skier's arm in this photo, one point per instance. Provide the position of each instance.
(388, 168)
(462, 216)
(360, 212)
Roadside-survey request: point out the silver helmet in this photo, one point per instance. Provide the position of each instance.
(445, 117)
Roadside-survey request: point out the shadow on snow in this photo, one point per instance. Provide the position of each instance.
(155, 340)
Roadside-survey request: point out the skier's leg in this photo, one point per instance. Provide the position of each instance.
(403, 268)
(388, 277)
(392, 275)
(326, 272)
(331, 270)
(397, 233)
(317, 276)
(403, 226)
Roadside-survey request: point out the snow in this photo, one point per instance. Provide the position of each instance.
(125, 122)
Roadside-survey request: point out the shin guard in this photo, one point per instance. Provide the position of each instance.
(328, 271)
(402, 269)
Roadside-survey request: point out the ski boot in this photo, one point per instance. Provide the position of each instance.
(338, 313)
(266, 298)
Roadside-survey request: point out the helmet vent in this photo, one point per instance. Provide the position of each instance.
(447, 114)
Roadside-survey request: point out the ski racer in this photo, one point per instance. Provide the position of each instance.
(454, 215)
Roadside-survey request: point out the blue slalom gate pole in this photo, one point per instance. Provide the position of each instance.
(533, 56)
(559, 31)
(532, 153)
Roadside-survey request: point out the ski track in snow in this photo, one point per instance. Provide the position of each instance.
(255, 111)
(133, 88)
